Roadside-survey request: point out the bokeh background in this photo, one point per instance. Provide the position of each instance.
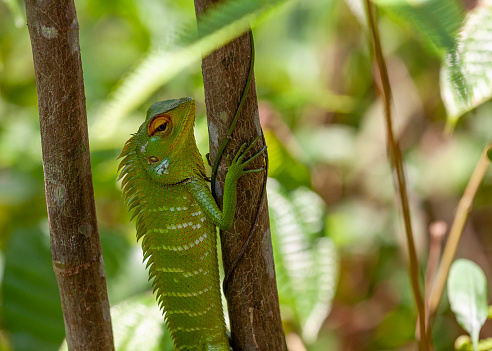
(339, 247)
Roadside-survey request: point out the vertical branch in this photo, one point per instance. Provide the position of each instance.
(400, 182)
(75, 246)
(251, 290)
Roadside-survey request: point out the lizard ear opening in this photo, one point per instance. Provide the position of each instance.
(161, 125)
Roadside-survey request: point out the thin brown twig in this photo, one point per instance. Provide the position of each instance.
(400, 182)
(462, 212)
(437, 231)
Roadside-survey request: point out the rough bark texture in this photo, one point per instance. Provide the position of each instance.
(75, 246)
(252, 290)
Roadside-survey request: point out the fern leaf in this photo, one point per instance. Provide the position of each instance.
(306, 267)
(436, 21)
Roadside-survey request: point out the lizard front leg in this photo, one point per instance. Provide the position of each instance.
(236, 169)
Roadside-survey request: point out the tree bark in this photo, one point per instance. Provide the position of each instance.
(75, 247)
(252, 290)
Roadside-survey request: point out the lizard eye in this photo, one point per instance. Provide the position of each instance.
(161, 125)
(161, 128)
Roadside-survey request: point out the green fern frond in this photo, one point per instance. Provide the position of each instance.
(306, 267)
(436, 21)
(232, 15)
(325, 261)
(137, 325)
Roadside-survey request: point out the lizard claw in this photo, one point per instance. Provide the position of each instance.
(237, 161)
(255, 155)
(239, 155)
(242, 152)
(251, 145)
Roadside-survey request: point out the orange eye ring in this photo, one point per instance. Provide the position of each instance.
(161, 125)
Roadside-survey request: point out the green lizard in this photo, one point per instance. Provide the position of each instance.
(164, 183)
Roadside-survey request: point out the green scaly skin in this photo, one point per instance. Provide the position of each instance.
(164, 183)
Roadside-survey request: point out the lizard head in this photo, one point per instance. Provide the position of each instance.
(165, 143)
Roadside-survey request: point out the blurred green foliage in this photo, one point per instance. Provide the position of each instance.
(332, 196)
(31, 305)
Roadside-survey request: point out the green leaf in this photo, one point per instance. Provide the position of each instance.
(31, 303)
(216, 28)
(467, 293)
(138, 325)
(283, 166)
(466, 76)
(437, 21)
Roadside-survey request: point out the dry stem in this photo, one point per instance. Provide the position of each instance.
(400, 183)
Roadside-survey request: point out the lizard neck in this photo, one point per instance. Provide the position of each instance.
(183, 162)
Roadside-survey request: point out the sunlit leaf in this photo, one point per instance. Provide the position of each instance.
(467, 292)
(283, 166)
(436, 21)
(469, 66)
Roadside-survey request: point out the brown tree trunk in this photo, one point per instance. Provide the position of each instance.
(251, 290)
(75, 246)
